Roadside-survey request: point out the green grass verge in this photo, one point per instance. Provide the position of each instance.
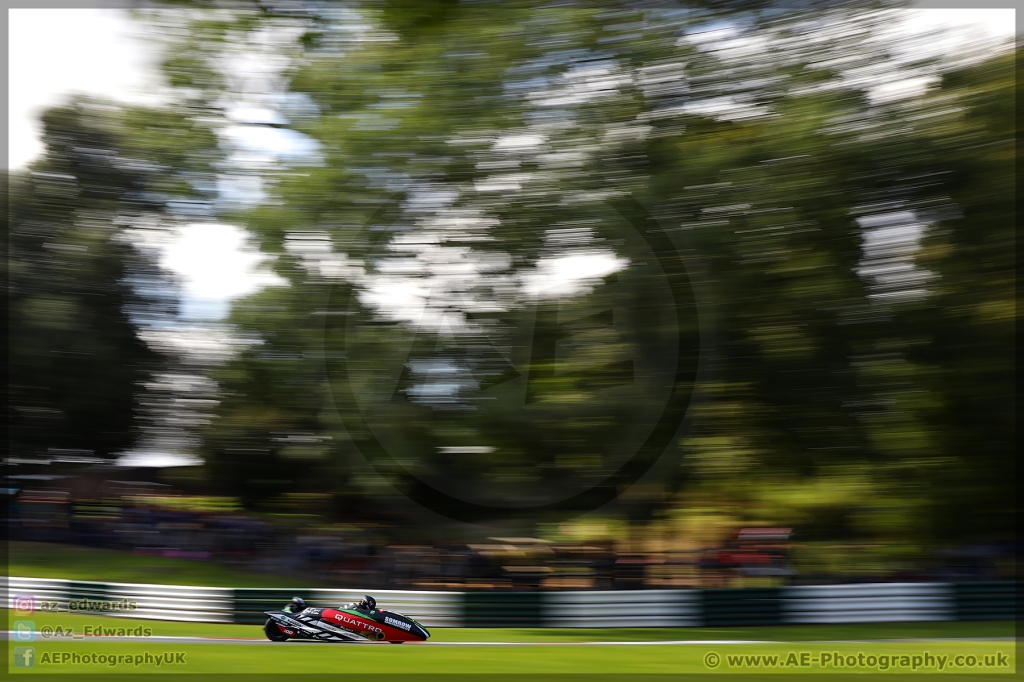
(45, 560)
(77, 622)
(299, 658)
(529, 662)
(594, 662)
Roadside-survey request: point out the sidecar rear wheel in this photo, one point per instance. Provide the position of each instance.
(273, 632)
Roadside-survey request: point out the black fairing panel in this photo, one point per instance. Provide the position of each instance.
(393, 619)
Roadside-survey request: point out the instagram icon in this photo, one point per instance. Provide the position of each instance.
(24, 604)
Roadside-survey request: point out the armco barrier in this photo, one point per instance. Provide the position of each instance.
(492, 609)
(158, 602)
(987, 600)
(250, 603)
(861, 603)
(725, 608)
(868, 603)
(173, 602)
(622, 608)
(430, 608)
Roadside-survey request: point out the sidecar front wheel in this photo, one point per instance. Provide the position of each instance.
(273, 632)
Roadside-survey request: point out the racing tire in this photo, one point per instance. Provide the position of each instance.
(273, 632)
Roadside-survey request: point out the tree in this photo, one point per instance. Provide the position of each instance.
(80, 290)
(464, 151)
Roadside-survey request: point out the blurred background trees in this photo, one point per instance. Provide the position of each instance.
(82, 281)
(849, 254)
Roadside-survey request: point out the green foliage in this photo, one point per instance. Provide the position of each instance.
(822, 402)
(832, 394)
(80, 289)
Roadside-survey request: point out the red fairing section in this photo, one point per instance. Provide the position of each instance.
(366, 626)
